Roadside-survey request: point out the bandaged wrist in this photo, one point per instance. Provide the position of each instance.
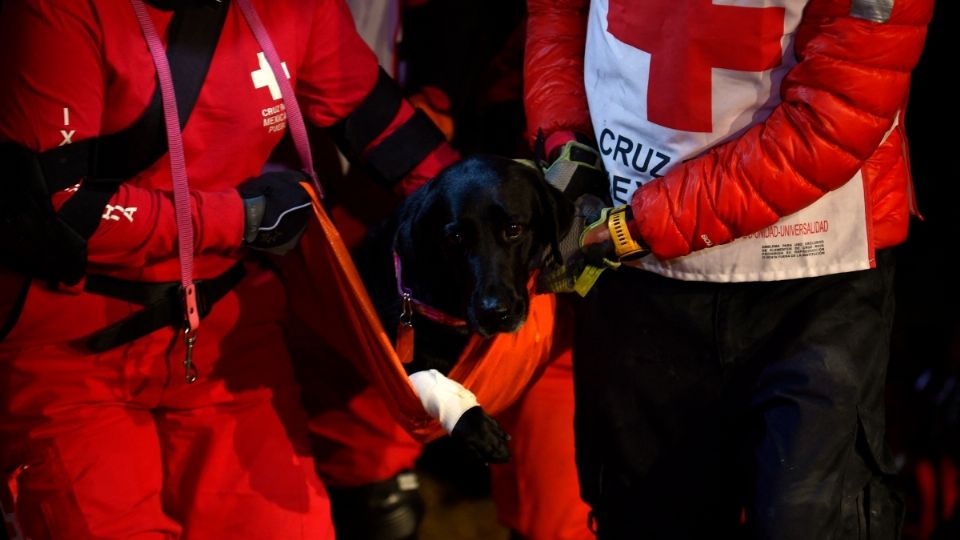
(444, 399)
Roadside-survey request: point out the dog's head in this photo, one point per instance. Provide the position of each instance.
(471, 237)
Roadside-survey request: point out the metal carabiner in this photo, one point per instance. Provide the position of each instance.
(189, 370)
(406, 316)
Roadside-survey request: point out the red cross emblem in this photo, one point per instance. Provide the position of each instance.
(685, 39)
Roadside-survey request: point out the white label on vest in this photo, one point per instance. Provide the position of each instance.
(827, 237)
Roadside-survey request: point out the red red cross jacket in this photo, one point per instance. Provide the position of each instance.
(97, 46)
(720, 122)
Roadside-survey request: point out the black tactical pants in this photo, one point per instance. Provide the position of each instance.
(736, 410)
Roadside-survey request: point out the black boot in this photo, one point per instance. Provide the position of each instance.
(387, 510)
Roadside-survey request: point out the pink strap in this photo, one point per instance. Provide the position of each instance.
(294, 119)
(178, 167)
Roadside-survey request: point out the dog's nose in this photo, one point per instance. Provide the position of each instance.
(495, 314)
(494, 310)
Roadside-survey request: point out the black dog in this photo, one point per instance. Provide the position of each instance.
(466, 244)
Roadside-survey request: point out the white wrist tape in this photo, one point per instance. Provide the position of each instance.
(444, 399)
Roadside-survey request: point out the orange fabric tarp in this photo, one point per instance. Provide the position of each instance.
(327, 295)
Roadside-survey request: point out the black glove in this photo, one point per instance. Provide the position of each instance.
(276, 209)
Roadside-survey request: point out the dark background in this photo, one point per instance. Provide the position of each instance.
(924, 399)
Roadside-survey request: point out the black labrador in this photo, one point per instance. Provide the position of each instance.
(461, 249)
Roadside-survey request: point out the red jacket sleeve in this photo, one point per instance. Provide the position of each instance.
(58, 98)
(838, 102)
(339, 69)
(554, 95)
(119, 241)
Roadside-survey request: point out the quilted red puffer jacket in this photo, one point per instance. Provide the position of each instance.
(836, 106)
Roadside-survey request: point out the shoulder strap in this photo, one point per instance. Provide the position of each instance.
(104, 162)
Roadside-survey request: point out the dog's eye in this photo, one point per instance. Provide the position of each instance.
(454, 238)
(513, 231)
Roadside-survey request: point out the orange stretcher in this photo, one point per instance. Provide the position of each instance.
(332, 303)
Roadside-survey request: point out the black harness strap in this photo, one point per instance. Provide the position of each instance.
(111, 159)
(403, 149)
(365, 123)
(67, 165)
(162, 304)
(35, 242)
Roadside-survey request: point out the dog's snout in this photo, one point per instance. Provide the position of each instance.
(498, 311)
(495, 309)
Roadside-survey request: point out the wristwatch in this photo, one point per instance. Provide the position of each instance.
(625, 246)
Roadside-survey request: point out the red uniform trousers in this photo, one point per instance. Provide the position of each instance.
(117, 445)
(537, 493)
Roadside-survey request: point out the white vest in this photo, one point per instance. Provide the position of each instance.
(662, 90)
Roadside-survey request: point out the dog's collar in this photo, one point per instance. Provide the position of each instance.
(411, 305)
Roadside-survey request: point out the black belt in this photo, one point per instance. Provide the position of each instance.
(162, 304)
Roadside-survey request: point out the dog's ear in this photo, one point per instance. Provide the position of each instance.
(421, 221)
(557, 212)
(409, 218)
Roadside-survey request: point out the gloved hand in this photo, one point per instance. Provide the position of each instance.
(276, 211)
(576, 169)
(482, 435)
(588, 248)
(585, 251)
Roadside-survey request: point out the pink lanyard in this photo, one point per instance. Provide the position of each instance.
(294, 119)
(178, 168)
